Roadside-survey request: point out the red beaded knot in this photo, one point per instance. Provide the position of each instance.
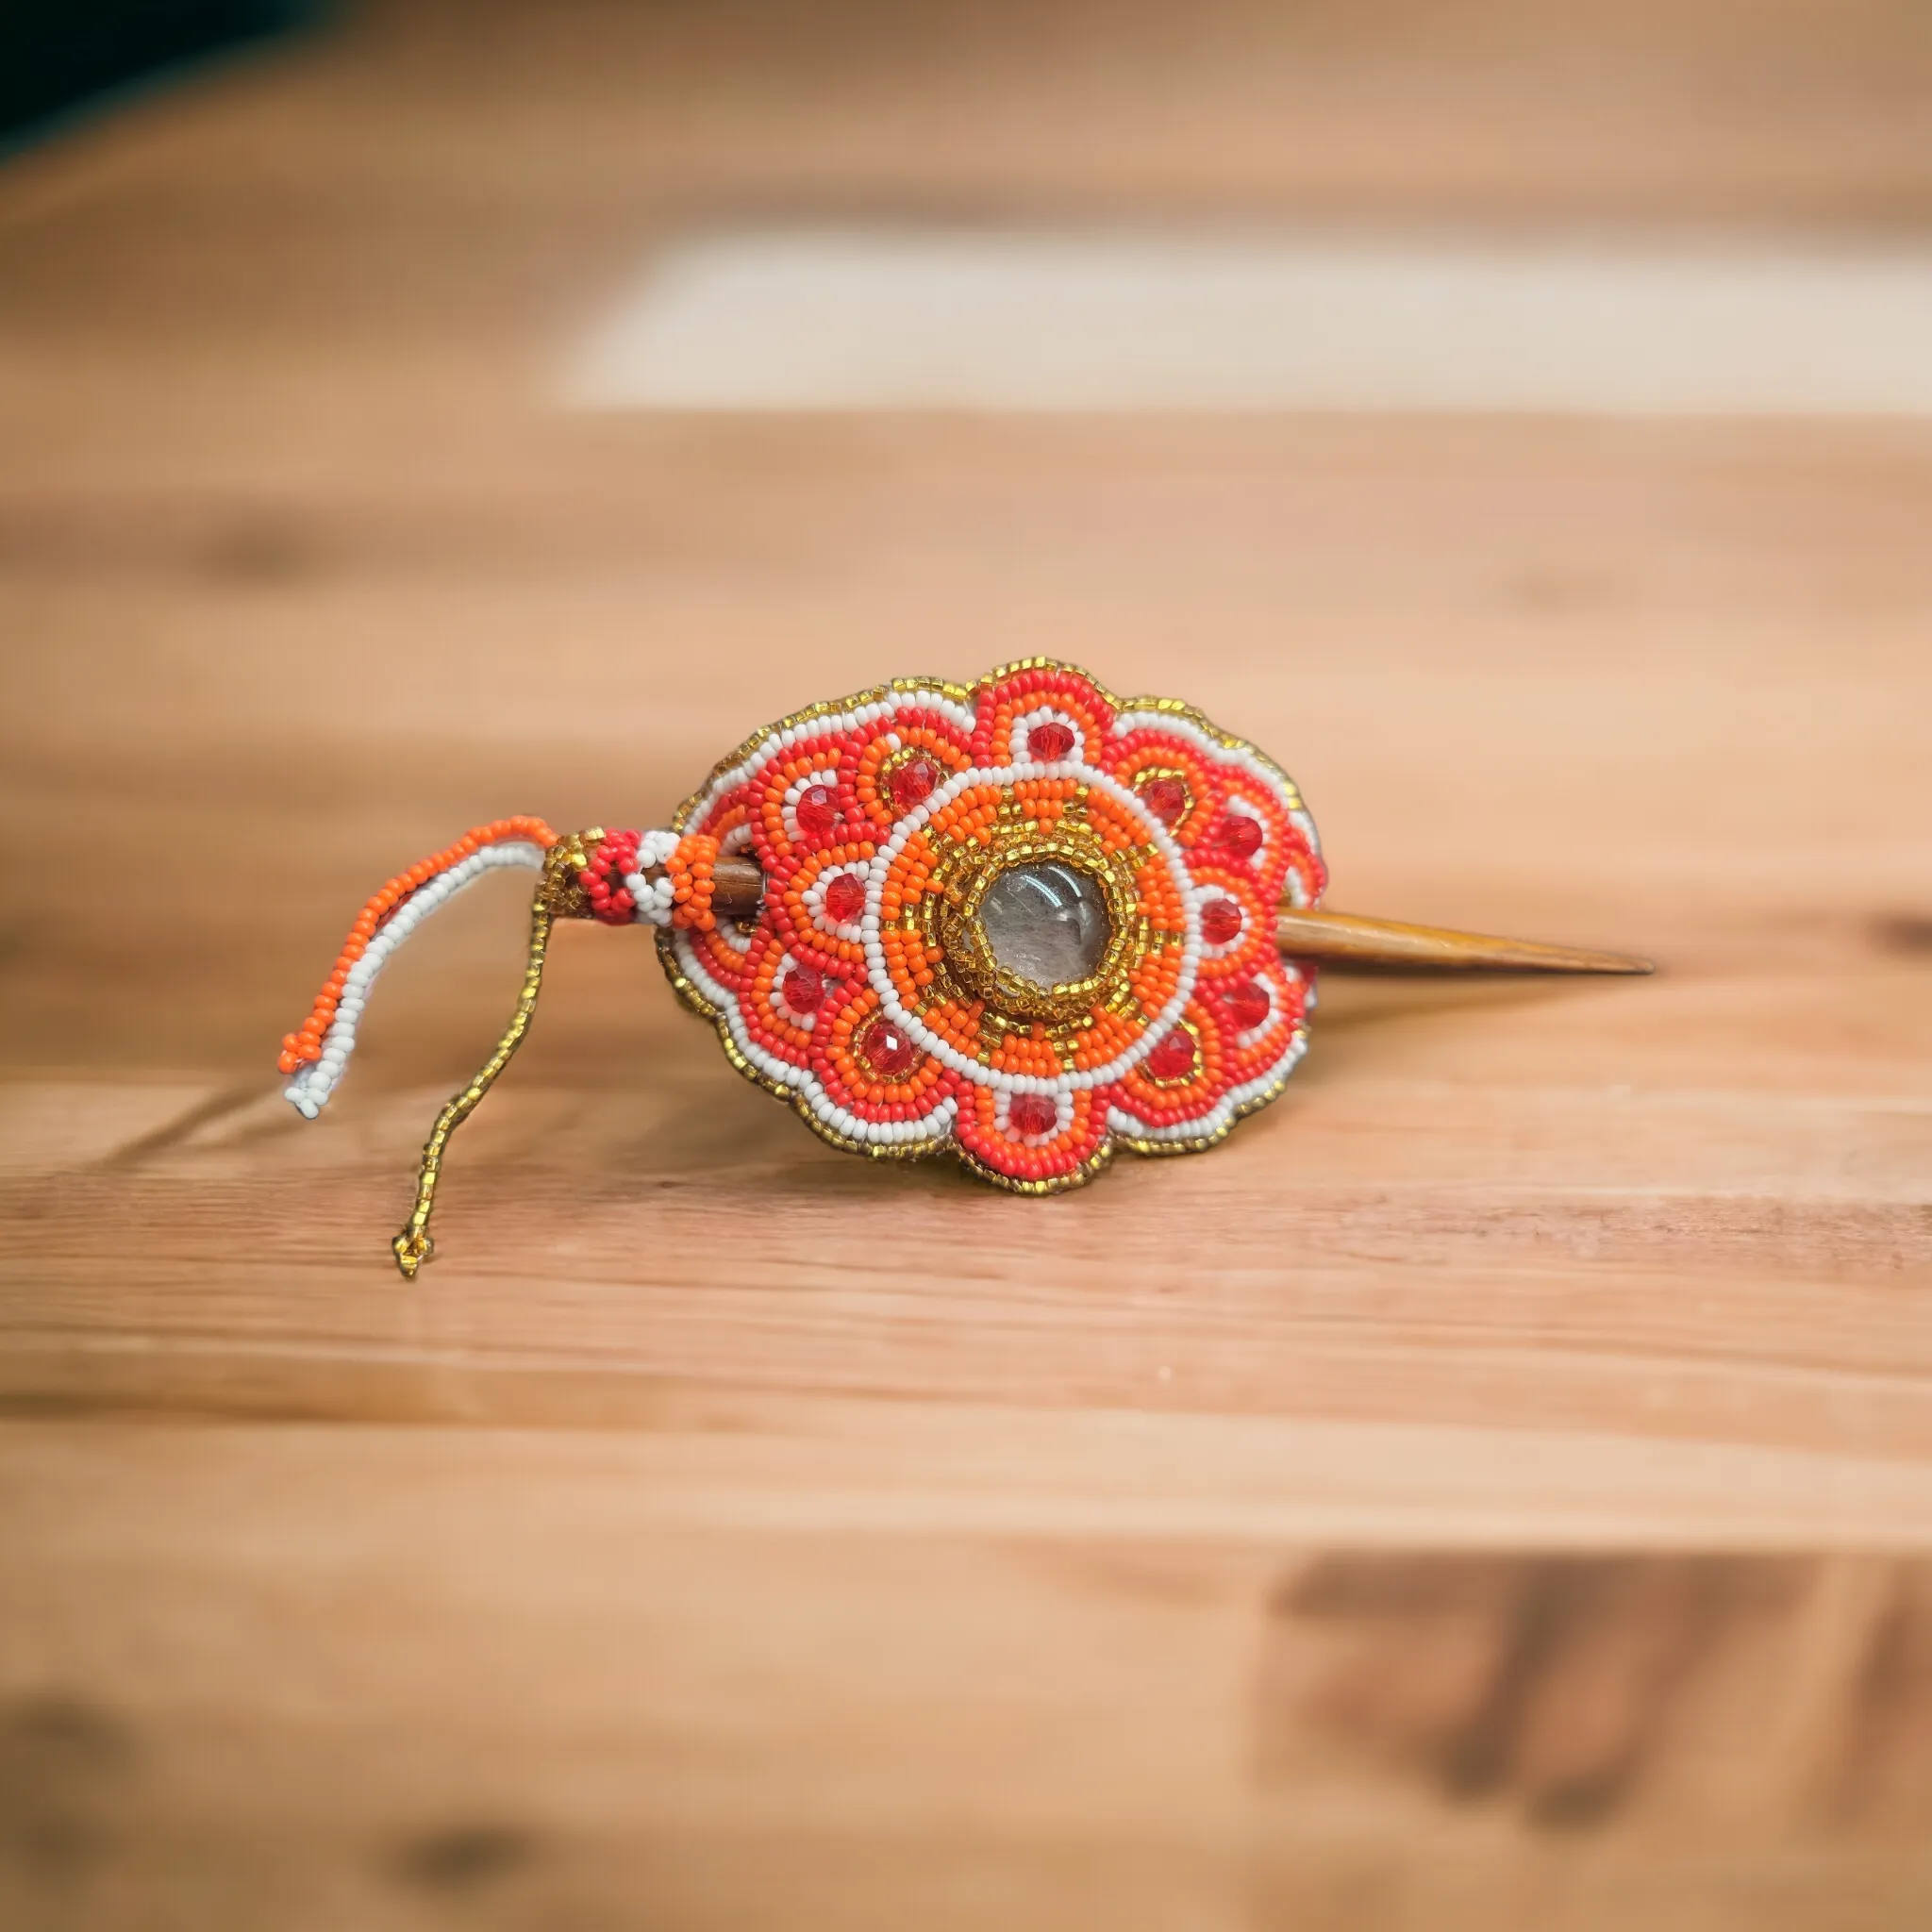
(602, 879)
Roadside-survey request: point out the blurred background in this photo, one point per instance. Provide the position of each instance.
(1494, 1490)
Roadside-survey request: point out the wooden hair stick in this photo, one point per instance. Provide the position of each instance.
(1335, 938)
(1023, 923)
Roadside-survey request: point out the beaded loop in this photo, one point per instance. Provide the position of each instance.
(318, 1051)
(606, 879)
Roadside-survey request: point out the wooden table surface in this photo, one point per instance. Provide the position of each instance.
(1496, 1489)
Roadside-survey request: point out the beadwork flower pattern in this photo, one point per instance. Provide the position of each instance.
(872, 991)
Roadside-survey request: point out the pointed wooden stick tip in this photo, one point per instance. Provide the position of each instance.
(1343, 938)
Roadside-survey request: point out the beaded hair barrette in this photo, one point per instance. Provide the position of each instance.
(1021, 922)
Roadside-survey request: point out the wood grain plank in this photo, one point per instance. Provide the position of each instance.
(1495, 1488)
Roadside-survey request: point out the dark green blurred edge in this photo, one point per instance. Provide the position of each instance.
(59, 59)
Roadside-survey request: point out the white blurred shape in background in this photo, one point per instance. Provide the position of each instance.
(848, 319)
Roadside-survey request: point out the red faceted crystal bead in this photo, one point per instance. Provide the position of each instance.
(1242, 836)
(844, 897)
(1248, 1004)
(1166, 798)
(803, 989)
(1050, 742)
(1032, 1114)
(1175, 1057)
(885, 1048)
(913, 783)
(1221, 920)
(817, 811)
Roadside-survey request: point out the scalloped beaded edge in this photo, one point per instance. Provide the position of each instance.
(1119, 1128)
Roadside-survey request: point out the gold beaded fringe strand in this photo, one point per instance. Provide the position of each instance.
(558, 896)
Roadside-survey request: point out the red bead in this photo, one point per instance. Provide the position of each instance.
(1175, 1057)
(1166, 798)
(844, 897)
(1032, 1114)
(1248, 1004)
(1242, 836)
(803, 989)
(913, 783)
(1050, 742)
(885, 1046)
(817, 811)
(1221, 920)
